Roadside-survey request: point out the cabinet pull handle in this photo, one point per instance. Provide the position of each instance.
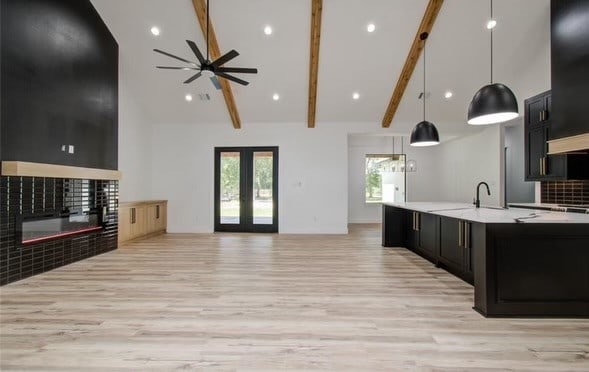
(460, 233)
(544, 165)
(540, 165)
(466, 235)
(418, 221)
(157, 212)
(540, 116)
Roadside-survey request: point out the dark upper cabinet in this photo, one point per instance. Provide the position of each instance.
(569, 20)
(539, 129)
(59, 84)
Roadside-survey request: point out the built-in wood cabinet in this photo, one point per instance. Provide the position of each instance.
(143, 218)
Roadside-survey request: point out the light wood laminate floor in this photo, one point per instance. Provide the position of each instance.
(269, 302)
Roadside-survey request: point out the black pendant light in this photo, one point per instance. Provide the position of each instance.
(425, 132)
(494, 103)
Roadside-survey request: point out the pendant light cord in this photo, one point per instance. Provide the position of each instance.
(208, 29)
(423, 37)
(492, 43)
(423, 79)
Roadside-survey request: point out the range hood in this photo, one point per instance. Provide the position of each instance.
(572, 144)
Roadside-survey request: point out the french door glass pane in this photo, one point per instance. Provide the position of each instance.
(230, 196)
(262, 188)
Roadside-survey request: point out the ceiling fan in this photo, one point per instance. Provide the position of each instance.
(211, 69)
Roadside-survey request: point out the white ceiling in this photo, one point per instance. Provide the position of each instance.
(351, 59)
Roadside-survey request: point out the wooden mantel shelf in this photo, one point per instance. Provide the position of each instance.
(27, 169)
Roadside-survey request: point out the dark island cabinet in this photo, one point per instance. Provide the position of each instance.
(517, 269)
(458, 239)
(422, 234)
(413, 230)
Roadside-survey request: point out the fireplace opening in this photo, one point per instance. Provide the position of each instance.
(39, 228)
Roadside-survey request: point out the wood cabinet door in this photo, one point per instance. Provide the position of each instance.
(151, 223)
(139, 226)
(124, 224)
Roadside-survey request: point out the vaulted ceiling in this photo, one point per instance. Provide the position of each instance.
(351, 59)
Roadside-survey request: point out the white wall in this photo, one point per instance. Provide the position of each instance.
(419, 183)
(134, 142)
(517, 189)
(465, 161)
(313, 182)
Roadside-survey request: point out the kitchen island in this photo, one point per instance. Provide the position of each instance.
(521, 262)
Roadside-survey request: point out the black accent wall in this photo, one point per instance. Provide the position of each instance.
(570, 67)
(59, 84)
(37, 195)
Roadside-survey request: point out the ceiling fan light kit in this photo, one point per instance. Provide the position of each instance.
(424, 133)
(207, 68)
(494, 103)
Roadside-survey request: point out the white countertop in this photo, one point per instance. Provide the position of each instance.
(492, 214)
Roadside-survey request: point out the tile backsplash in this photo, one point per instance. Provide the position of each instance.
(565, 192)
(38, 195)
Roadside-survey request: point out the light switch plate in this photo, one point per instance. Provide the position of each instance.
(71, 149)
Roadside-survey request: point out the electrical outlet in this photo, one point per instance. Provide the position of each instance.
(63, 148)
(71, 149)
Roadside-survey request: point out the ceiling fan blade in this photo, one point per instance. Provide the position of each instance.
(196, 51)
(232, 78)
(215, 82)
(243, 70)
(225, 58)
(173, 56)
(193, 77)
(177, 68)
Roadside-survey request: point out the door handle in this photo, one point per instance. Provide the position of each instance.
(541, 167)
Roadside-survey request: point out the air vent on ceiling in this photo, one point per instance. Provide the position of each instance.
(204, 96)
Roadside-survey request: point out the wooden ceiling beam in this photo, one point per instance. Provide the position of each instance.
(427, 23)
(316, 9)
(200, 7)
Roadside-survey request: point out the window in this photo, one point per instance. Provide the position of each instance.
(385, 178)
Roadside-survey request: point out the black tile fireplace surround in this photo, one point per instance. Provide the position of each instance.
(64, 221)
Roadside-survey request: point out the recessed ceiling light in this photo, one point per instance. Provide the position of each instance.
(356, 95)
(268, 30)
(448, 94)
(155, 31)
(371, 27)
(491, 24)
(188, 97)
(275, 97)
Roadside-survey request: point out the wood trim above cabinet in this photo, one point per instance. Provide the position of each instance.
(578, 143)
(28, 169)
